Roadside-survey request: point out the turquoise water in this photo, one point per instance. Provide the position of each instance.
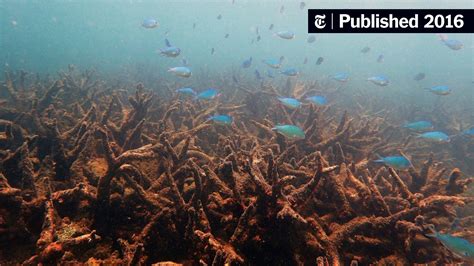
(107, 35)
(46, 36)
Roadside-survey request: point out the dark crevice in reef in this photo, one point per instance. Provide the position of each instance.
(91, 172)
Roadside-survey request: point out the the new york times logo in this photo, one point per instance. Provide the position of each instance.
(319, 21)
(390, 21)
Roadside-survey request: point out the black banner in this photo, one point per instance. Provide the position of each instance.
(391, 21)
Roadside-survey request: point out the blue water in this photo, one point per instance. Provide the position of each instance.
(46, 36)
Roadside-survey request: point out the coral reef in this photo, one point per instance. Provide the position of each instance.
(98, 173)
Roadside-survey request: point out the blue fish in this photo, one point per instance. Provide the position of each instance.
(439, 90)
(150, 23)
(291, 71)
(170, 51)
(435, 135)
(290, 102)
(453, 44)
(459, 246)
(221, 119)
(287, 35)
(318, 100)
(419, 126)
(183, 72)
(274, 63)
(397, 162)
(208, 94)
(341, 76)
(379, 80)
(290, 131)
(247, 63)
(186, 91)
(469, 132)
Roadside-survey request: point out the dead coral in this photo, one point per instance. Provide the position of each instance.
(88, 174)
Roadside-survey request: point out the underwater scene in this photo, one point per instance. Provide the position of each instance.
(222, 133)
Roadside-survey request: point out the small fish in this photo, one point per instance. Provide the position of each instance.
(257, 75)
(451, 43)
(183, 72)
(379, 80)
(291, 103)
(208, 94)
(287, 35)
(419, 76)
(194, 25)
(302, 5)
(269, 74)
(439, 90)
(454, 44)
(397, 162)
(256, 30)
(170, 51)
(226, 35)
(419, 126)
(274, 63)
(219, 16)
(318, 100)
(290, 131)
(341, 76)
(435, 135)
(469, 132)
(291, 71)
(150, 23)
(365, 50)
(184, 61)
(258, 38)
(212, 50)
(459, 246)
(282, 8)
(380, 59)
(305, 61)
(270, 27)
(311, 39)
(234, 79)
(221, 119)
(186, 91)
(247, 63)
(319, 61)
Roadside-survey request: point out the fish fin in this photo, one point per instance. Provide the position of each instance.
(167, 42)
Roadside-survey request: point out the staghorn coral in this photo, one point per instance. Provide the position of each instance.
(87, 177)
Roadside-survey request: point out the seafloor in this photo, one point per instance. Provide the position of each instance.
(95, 170)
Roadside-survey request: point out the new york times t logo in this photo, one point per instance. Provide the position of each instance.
(391, 21)
(319, 21)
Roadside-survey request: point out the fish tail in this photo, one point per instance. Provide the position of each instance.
(433, 234)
